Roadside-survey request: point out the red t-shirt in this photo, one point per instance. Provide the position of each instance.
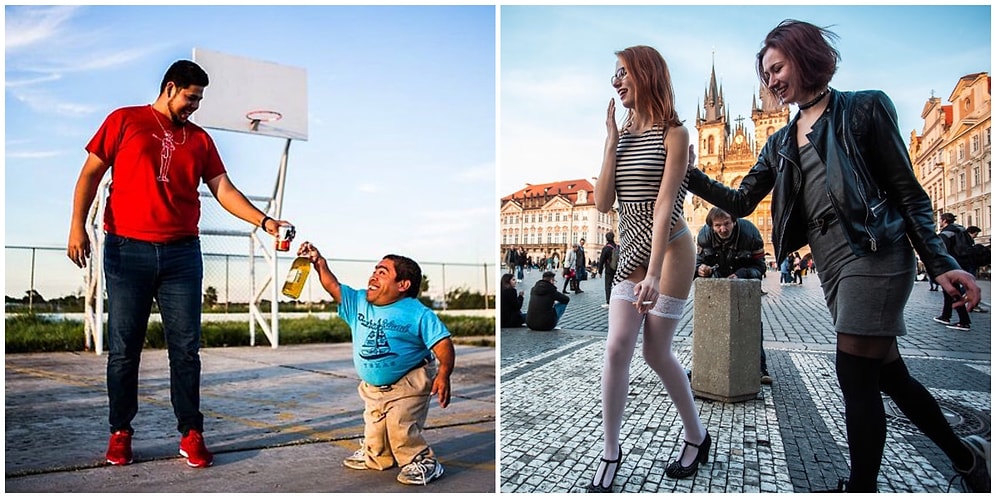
(154, 175)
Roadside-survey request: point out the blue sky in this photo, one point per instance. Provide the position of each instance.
(401, 149)
(556, 63)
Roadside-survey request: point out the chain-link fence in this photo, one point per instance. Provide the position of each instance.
(43, 279)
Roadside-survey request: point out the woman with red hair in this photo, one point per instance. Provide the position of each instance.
(643, 168)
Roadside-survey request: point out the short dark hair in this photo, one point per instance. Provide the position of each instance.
(548, 275)
(407, 269)
(973, 229)
(808, 47)
(948, 218)
(609, 236)
(718, 213)
(184, 73)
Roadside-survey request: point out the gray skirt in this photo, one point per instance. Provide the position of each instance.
(867, 295)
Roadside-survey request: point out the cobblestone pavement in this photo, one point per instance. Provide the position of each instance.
(791, 438)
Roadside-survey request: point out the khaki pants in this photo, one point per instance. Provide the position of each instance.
(394, 417)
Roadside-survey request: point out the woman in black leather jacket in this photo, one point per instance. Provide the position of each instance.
(843, 183)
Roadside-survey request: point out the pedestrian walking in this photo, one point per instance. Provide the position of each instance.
(958, 243)
(608, 260)
(843, 183)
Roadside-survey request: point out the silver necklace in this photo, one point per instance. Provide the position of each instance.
(169, 145)
(168, 135)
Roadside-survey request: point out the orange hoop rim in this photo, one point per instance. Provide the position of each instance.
(263, 115)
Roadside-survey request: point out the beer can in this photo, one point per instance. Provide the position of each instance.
(285, 234)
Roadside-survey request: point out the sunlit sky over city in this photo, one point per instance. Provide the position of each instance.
(556, 63)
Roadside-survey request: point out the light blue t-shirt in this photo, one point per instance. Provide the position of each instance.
(388, 341)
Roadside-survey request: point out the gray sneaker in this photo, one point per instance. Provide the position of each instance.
(357, 461)
(976, 479)
(422, 471)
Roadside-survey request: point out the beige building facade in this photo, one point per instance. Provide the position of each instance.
(952, 155)
(547, 219)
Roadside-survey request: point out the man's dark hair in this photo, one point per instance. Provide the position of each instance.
(718, 213)
(609, 236)
(547, 275)
(973, 230)
(407, 269)
(948, 218)
(184, 73)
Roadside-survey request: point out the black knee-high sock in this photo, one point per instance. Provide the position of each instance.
(922, 409)
(864, 416)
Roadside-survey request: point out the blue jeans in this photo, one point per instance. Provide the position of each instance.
(138, 272)
(559, 308)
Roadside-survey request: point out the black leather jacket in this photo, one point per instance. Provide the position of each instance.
(870, 182)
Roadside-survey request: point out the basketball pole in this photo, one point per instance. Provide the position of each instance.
(278, 199)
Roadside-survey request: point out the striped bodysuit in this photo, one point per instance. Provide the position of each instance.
(639, 167)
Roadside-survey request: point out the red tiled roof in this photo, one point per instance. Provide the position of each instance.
(567, 188)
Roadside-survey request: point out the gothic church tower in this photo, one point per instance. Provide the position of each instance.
(727, 155)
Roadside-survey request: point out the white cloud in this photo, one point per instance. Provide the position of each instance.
(26, 26)
(42, 154)
(43, 102)
(13, 83)
(367, 188)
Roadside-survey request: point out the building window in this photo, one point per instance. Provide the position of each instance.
(961, 152)
(976, 176)
(975, 144)
(961, 181)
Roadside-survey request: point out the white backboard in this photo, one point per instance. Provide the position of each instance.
(277, 95)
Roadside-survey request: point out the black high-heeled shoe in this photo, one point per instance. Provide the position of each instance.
(678, 471)
(598, 488)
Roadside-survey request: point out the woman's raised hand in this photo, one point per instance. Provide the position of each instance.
(610, 122)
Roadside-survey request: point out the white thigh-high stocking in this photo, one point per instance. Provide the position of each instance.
(624, 328)
(658, 333)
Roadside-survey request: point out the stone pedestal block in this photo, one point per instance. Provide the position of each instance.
(726, 339)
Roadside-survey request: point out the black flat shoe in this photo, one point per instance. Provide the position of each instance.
(599, 488)
(677, 471)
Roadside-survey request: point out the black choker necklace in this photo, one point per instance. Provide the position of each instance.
(815, 101)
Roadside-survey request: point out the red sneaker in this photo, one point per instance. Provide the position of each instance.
(119, 448)
(192, 447)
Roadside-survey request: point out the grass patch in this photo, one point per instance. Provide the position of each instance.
(30, 333)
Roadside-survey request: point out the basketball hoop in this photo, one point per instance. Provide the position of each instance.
(261, 115)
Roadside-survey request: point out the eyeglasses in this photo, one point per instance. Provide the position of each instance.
(620, 74)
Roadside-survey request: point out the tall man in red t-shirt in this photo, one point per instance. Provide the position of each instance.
(157, 160)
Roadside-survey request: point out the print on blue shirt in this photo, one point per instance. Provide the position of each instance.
(388, 341)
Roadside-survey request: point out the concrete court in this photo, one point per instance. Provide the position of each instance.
(791, 438)
(278, 420)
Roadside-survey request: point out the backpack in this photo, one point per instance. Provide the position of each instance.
(613, 261)
(962, 244)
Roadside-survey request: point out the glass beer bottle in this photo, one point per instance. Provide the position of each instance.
(296, 277)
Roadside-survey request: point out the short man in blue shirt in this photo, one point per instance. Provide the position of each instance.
(395, 339)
